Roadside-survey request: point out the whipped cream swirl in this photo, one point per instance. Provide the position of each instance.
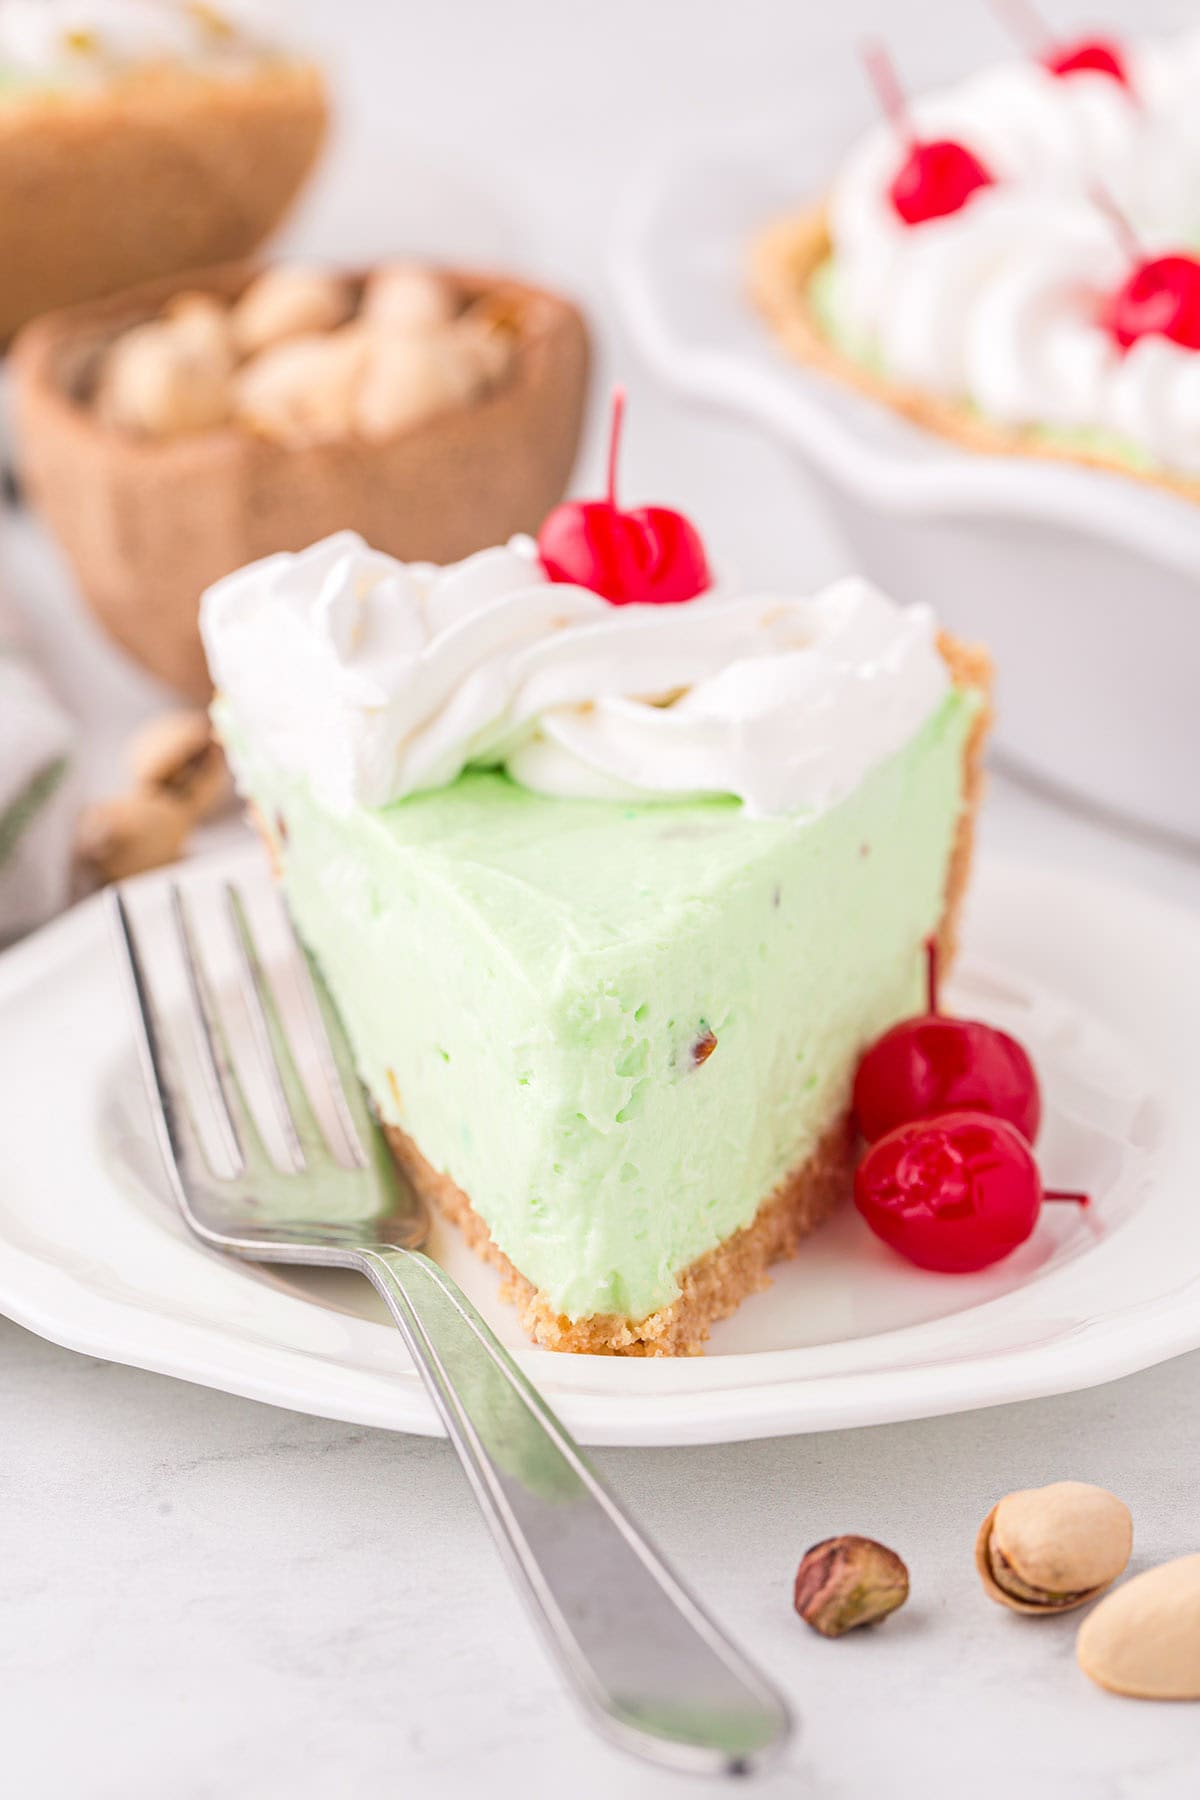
(375, 679)
(999, 303)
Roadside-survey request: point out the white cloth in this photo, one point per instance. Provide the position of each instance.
(37, 794)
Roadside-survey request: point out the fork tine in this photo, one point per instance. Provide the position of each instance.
(289, 1101)
(176, 1129)
(234, 1118)
(329, 1036)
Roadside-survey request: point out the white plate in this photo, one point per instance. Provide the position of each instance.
(1104, 986)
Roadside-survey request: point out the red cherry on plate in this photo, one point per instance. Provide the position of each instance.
(650, 554)
(953, 1194)
(1099, 55)
(936, 178)
(1161, 297)
(933, 1064)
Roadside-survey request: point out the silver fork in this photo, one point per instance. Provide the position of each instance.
(653, 1672)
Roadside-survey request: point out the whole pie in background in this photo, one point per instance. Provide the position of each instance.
(1012, 262)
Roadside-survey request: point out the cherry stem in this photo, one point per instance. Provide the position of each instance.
(614, 441)
(931, 974)
(1072, 1194)
(1127, 237)
(881, 72)
(1023, 21)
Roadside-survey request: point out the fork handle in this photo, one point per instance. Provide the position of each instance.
(653, 1672)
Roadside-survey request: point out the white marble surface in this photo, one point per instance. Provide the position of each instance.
(202, 1597)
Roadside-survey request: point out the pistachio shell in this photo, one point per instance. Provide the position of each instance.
(487, 348)
(176, 754)
(286, 303)
(403, 297)
(201, 322)
(121, 837)
(1144, 1640)
(303, 391)
(1046, 1550)
(158, 380)
(411, 379)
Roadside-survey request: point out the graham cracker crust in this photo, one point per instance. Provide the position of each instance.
(716, 1283)
(971, 669)
(783, 260)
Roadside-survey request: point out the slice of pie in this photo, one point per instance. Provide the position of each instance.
(611, 897)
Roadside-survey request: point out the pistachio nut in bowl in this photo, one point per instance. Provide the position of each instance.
(172, 433)
(1002, 433)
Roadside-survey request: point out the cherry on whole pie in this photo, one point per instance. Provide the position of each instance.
(937, 176)
(1095, 55)
(1160, 297)
(1100, 55)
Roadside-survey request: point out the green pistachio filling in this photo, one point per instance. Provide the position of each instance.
(617, 1028)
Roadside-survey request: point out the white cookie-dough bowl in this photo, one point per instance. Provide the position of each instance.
(1085, 585)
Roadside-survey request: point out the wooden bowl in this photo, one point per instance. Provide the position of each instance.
(147, 524)
(161, 170)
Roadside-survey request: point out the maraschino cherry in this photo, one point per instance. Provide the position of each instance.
(1097, 55)
(1160, 297)
(1100, 55)
(953, 1194)
(933, 1064)
(650, 555)
(937, 177)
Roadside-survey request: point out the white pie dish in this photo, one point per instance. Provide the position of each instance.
(1085, 585)
(94, 1255)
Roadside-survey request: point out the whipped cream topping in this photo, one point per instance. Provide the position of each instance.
(999, 303)
(77, 41)
(376, 679)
